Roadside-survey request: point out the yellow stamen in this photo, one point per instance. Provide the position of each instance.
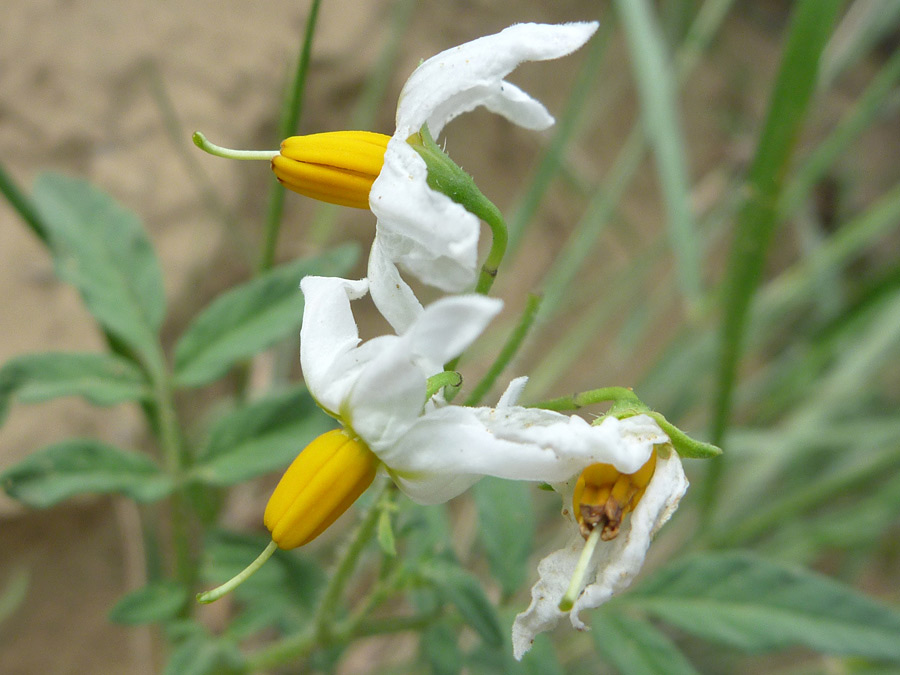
(603, 496)
(319, 485)
(338, 167)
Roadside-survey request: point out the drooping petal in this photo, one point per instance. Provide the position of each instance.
(391, 294)
(421, 230)
(328, 337)
(514, 443)
(613, 566)
(462, 78)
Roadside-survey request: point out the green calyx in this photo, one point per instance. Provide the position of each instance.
(446, 177)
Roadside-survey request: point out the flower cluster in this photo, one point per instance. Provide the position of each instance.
(620, 476)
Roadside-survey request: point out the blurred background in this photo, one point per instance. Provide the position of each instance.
(110, 91)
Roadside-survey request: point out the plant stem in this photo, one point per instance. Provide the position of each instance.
(510, 349)
(290, 118)
(576, 401)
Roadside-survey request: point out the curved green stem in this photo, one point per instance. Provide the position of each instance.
(618, 395)
(447, 378)
(228, 153)
(446, 177)
(238, 579)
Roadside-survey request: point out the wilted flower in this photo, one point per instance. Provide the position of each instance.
(601, 499)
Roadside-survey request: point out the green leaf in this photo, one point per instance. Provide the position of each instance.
(101, 248)
(260, 437)
(506, 519)
(440, 649)
(462, 590)
(203, 654)
(83, 466)
(155, 602)
(103, 379)
(758, 605)
(634, 647)
(247, 319)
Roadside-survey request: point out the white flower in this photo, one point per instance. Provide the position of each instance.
(422, 230)
(435, 451)
(613, 565)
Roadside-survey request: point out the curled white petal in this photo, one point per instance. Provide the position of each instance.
(613, 565)
(513, 442)
(421, 230)
(462, 78)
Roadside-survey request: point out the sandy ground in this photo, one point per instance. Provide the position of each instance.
(77, 94)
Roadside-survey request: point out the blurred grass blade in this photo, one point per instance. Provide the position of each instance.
(580, 244)
(859, 118)
(864, 25)
(810, 27)
(659, 103)
(291, 107)
(564, 130)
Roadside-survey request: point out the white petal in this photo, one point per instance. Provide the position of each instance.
(554, 574)
(614, 564)
(389, 393)
(464, 77)
(513, 443)
(513, 392)
(420, 229)
(391, 294)
(328, 337)
(448, 326)
(570, 441)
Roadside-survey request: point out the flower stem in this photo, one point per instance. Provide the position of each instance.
(238, 579)
(320, 634)
(208, 146)
(576, 585)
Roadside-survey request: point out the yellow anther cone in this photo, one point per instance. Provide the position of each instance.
(338, 167)
(319, 485)
(603, 496)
